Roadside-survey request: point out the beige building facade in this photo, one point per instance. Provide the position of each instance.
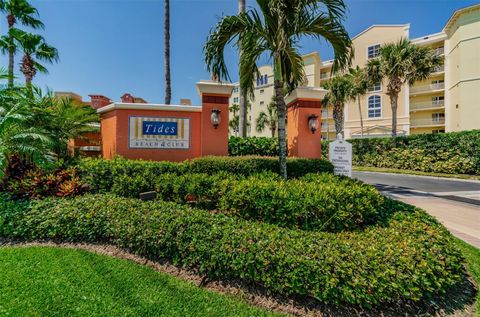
(447, 101)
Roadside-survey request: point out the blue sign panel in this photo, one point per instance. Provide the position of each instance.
(159, 128)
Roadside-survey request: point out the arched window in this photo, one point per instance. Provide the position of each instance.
(374, 106)
(265, 81)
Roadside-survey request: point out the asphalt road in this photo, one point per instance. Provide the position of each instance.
(455, 203)
(418, 183)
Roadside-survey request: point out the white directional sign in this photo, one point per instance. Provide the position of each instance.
(340, 154)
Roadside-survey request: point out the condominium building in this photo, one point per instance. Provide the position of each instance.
(264, 92)
(449, 100)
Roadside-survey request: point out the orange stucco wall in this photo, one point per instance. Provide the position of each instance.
(301, 141)
(215, 141)
(204, 138)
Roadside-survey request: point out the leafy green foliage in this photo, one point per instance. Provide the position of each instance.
(130, 177)
(409, 258)
(453, 152)
(261, 146)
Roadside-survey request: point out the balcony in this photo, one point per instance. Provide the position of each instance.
(419, 123)
(427, 88)
(440, 51)
(329, 128)
(427, 105)
(439, 69)
(327, 115)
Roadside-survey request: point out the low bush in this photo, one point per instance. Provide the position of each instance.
(316, 202)
(453, 152)
(36, 183)
(412, 257)
(130, 177)
(261, 146)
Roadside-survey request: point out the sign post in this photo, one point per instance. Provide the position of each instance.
(340, 155)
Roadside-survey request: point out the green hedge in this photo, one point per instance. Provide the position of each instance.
(261, 146)
(453, 153)
(411, 257)
(130, 177)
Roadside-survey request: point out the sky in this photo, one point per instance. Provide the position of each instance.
(111, 47)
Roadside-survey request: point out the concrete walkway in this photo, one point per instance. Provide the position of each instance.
(455, 203)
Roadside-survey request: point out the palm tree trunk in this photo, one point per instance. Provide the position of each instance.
(243, 95)
(394, 104)
(11, 53)
(168, 84)
(28, 84)
(282, 143)
(338, 117)
(361, 117)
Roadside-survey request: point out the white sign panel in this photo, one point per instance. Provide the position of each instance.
(158, 133)
(340, 154)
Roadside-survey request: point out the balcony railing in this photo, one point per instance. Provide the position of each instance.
(427, 105)
(327, 115)
(427, 122)
(426, 88)
(440, 51)
(330, 128)
(439, 69)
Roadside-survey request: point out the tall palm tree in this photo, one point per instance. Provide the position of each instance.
(18, 11)
(339, 92)
(35, 50)
(276, 31)
(268, 119)
(243, 90)
(402, 63)
(359, 86)
(168, 83)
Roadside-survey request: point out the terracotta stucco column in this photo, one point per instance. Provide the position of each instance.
(215, 97)
(304, 103)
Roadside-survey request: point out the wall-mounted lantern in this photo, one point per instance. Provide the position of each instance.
(215, 118)
(313, 123)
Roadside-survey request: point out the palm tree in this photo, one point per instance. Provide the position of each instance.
(359, 85)
(268, 119)
(275, 31)
(339, 91)
(243, 95)
(234, 122)
(168, 84)
(35, 50)
(65, 119)
(17, 136)
(402, 63)
(18, 11)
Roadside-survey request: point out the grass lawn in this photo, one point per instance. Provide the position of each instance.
(409, 172)
(44, 281)
(472, 256)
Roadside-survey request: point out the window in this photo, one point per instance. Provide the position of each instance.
(438, 131)
(262, 91)
(438, 100)
(376, 87)
(373, 51)
(262, 103)
(374, 106)
(235, 99)
(258, 81)
(438, 117)
(266, 79)
(235, 90)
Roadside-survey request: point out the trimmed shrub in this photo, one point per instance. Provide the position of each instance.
(10, 212)
(128, 178)
(317, 202)
(261, 146)
(249, 165)
(453, 152)
(411, 258)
